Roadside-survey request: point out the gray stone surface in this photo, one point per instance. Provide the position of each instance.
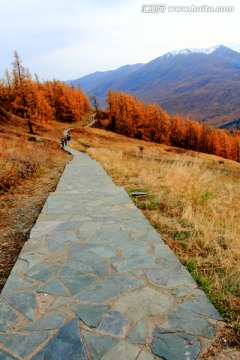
(87, 262)
(66, 344)
(70, 225)
(122, 351)
(142, 262)
(190, 322)
(108, 288)
(14, 283)
(142, 303)
(67, 271)
(94, 258)
(139, 333)
(133, 253)
(200, 304)
(57, 240)
(163, 252)
(175, 346)
(20, 266)
(24, 302)
(170, 278)
(6, 356)
(115, 324)
(49, 322)
(98, 345)
(7, 317)
(42, 272)
(55, 287)
(23, 345)
(103, 252)
(146, 355)
(91, 314)
(76, 284)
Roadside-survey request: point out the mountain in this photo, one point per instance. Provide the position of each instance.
(98, 82)
(203, 84)
(234, 125)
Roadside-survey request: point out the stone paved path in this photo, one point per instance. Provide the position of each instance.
(96, 281)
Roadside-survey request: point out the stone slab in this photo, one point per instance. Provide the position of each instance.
(200, 304)
(97, 344)
(124, 351)
(49, 322)
(54, 287)
(6, 356)
(114, 324)
(15, 282)
(7, 318)
(24, 302)
(91, 314)
(66, 344)
(23, 345)
(139, 333)
(190, 322)
(108, 288)
(175, 346)
(143, 303)
(146, 355)
(42, 272)
(171, 278)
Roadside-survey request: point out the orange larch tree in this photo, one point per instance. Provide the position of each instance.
(150, 122)
(40, 103)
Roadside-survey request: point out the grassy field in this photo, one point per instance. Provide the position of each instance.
(192, 200)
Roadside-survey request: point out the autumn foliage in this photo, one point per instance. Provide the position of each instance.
(136, 119)
(40, 102)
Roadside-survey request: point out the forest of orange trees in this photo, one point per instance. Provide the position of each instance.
(134, 118)
(40, 102)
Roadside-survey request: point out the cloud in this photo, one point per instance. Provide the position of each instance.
(67, 39)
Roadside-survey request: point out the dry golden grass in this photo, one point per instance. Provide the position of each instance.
(21, 159)
(22, 155)
(193, 201)
(29, 170)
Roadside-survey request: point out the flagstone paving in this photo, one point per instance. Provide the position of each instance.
(96, 281)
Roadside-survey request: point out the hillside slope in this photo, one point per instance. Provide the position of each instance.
(30, 169)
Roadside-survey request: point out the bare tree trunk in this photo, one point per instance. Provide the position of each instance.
(30, 128)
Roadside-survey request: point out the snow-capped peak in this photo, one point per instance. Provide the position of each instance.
(235, 47)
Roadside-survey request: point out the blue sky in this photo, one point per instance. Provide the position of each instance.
(67, 39)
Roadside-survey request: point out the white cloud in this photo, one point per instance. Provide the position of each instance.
(67, 39)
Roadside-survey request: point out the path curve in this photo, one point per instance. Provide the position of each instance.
(92, 122)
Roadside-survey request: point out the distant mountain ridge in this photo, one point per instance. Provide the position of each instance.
(234, 47)
(106, 78)
(203, 84)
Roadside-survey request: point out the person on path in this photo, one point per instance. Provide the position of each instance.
(62, 142)
(65, 140)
